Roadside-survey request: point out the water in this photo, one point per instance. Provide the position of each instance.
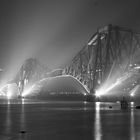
(38, 120)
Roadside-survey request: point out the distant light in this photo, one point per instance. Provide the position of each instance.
(27, 91)
(98, 93)
(131, 94)
(138, 67)
(9, 93)
(85, 94)
(132, 103)
(134, 90)
(85, 102)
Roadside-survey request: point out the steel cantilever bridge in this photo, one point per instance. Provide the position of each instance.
(112, 54)
(109, 58)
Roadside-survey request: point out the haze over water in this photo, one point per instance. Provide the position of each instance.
(68, 121)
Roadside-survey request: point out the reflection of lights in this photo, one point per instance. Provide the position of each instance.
(97, 126)
(97, 105)
(132, 122)
(8, 101)
(85, 107)
(132, 104)
(22, 100)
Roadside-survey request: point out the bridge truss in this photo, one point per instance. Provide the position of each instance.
(112, 50)
(30, 72)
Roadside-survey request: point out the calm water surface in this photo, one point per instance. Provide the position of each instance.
(68, 121)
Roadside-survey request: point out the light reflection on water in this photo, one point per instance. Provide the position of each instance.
(22, 121)
(97, 126)
(8, 119)
(132, 128)
(107, 124)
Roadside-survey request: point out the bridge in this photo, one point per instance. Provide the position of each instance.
(110, 58)
(111, 54)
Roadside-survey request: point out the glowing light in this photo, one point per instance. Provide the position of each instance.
(9, 92)
(131, 94)
(133, 91)
(6, 91)
(22, 100)
(2, 90)
(102, 91)
(85, 94)
(85, 102)
(105, 89)
(28, 91)
(138, 67)
(97, 105)
(35, 88)
(132, 104)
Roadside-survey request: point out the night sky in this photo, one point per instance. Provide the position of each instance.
(53, 31)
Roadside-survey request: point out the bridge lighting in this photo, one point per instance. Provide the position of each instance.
(28, 91)
(6, 90)
(85, 94)
(99, 92)
(132, 104)
(104, 90)
(131, 94)
(9, 93)
(138, 67)
(133, 91)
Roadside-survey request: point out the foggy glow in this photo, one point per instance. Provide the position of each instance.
(28, 91)
(9, 91)
(2, 90)
(133, 91)
(102, 91)
(106, 88)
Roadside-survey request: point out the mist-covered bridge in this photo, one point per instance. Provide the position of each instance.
(111, 55)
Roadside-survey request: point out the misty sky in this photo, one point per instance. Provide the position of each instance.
(53, 31)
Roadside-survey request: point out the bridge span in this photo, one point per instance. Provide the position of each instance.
(109, 61)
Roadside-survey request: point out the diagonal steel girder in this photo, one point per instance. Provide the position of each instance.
(111, 48)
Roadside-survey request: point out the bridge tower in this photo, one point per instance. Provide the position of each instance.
(112, 49)
(30, 72)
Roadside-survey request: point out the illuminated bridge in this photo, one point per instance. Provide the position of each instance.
(108, 63)
(108, 60)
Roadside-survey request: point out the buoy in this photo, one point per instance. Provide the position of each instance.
(137, 107)
(22, 131)
(110, 107)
